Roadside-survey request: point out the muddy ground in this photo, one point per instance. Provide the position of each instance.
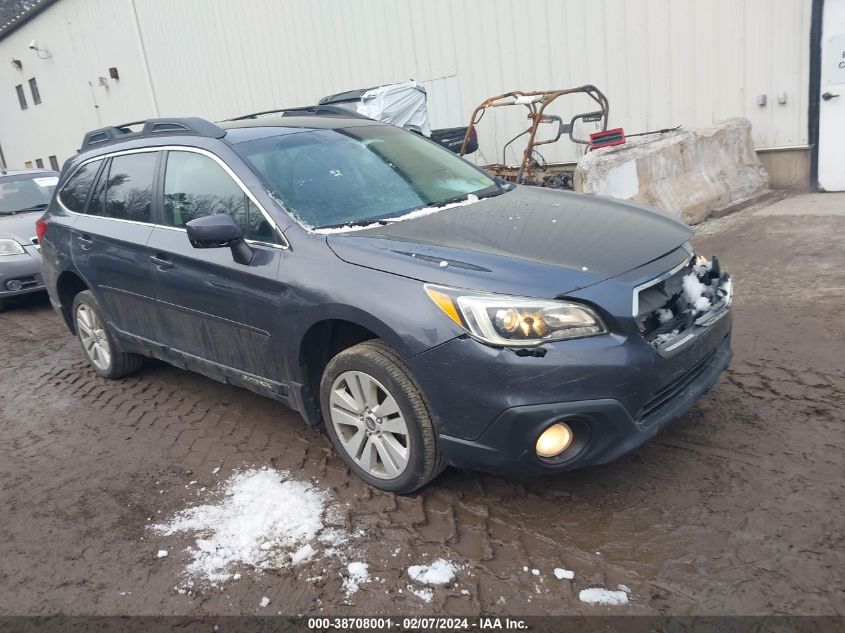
(737, 508)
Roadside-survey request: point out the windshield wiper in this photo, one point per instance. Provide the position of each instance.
(35, 207)
(452, 200)
(342, 225)
(492, 194)
(489, 192)
(494, 190)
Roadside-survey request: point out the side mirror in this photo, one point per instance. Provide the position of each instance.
(220, 231)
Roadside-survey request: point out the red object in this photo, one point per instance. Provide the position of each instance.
(608, 138)
(40, 229)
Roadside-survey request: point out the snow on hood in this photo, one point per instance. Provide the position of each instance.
(419, 213)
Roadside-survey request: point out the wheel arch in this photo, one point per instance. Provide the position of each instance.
(322, 340)
(69, 283)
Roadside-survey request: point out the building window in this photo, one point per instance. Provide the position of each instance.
(54, 163)
(21, 97)
(28, 164)
(33, 88)
(39, 163)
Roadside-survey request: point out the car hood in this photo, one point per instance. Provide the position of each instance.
(530, 240)
(19, 227)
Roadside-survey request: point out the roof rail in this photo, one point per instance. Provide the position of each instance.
(192, 126)
(314, 110)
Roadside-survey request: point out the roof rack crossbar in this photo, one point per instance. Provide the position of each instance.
(315, 110)
(193, 126)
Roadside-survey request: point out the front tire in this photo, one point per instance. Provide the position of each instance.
(97, 341)
(378, 420)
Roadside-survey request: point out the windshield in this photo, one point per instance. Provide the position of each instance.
(22, 194)
(361, 175)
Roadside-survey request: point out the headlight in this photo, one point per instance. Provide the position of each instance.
(515, 321)
(11, 247)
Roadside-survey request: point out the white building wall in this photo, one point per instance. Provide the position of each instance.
(661, 62)
(84, 39)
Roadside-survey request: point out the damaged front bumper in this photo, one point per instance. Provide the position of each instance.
(678, 306)
(605, 428)
(615, 391)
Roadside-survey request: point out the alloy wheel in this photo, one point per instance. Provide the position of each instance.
(369, 424)
(93, 337)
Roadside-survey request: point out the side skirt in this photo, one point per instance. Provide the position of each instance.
(134, 344)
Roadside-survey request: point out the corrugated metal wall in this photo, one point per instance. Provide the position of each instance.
(661, 62)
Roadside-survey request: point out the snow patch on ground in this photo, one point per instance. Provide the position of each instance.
(425, 594)
(303, 554)
(598, 595)
(264, 520)
(358, 575)
(471, 199)
(564, 574)
(440, 572)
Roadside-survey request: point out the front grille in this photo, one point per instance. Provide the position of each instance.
(667, 393)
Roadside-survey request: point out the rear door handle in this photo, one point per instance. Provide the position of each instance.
(162, 262)
(85, 241)
(827, 96)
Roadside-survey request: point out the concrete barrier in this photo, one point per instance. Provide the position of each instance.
(686, 173)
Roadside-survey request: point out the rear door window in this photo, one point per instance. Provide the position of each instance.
(75, 192)
(196, 186)
(129, 188)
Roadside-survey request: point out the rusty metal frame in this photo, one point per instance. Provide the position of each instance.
(537, 102)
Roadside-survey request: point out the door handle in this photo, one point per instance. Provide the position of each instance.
(162, 262)
(827, 96)
(85, 242)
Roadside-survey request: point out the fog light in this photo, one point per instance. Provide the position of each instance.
(554, 440)
(14, 284)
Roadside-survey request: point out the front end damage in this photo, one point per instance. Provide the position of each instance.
(672, 309)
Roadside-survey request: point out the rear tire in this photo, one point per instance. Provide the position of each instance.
(378, 420)
(97, 341)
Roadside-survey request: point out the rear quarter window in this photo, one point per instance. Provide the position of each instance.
(75, 192)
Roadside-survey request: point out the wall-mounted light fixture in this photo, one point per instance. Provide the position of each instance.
(42, 53)
(16, 63)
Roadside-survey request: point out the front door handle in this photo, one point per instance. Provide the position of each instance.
(828, 96)
(85, 242)
(162, 262)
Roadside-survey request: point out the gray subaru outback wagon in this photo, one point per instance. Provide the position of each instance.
(425, 312)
